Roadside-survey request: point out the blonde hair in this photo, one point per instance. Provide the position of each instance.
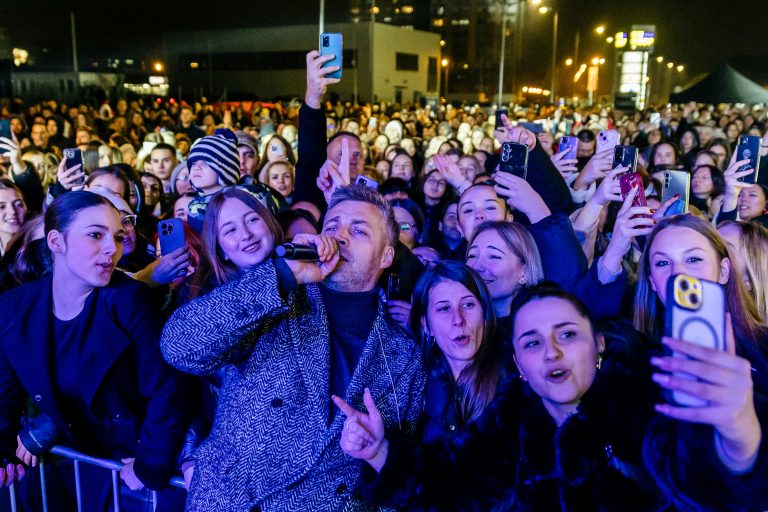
(520, 241)
(648, 308)
(264, 172)
(753, 246)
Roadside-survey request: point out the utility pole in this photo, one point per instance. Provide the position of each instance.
(74, 42)
(503, 51)
(553, 77)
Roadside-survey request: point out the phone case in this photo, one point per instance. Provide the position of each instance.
(676, 182)
(749, 149)
(514, 159)
(695, 313)
(5, 131)
(571, 144)
(607, 139)
(331, 43)
(400, 287)
(629, 180)
(74, 157)
(171, 235)
(533, 127)
(499, 112)
(625, 156)
(368, 182)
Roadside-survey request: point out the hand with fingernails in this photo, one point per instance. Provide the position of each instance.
(723, 381)
(333, 175)
(363, 434)
(307, 272)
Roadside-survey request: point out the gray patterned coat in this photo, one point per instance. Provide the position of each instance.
(270, 447)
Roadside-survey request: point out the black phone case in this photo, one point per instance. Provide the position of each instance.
(5, 131)
(400, 287)
(499, 112)
(704, 326)
(74, 157)
(625, 156)
(749, 149)
(514, 159)
(171, 235)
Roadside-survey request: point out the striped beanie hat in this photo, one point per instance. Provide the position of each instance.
(219, 151)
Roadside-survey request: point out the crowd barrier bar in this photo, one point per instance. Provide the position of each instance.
(77, 458)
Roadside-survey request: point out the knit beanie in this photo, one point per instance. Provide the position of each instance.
(219, 151)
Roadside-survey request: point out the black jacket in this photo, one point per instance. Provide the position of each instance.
(137, 404)
(312, 143)
(614, 453)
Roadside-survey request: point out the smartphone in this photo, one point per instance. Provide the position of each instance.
(5, 131)
(676, 183)
(571, 144)
(514, 159)
(655, 118)
(534, 127)
(74, 157)
(171, 235)
(331, 44)
(629, 180)
(400, 287)
(625, 156)
(368, 182)
(607, 139)
(499, 113)
(696, 314)
(749, 149)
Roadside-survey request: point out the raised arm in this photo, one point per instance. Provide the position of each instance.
(312, 139)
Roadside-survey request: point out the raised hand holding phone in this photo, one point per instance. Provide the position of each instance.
(723, 381)
(318, 78)
(520, 196)
(631, 222)
(70, 178)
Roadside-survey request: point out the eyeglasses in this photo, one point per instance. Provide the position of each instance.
(405, 226)
(129, 221)
(436, 183)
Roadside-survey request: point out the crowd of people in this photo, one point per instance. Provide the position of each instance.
(458, 338)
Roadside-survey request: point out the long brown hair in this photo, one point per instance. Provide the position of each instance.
(648, 308)
(215, 270)
(476, 384)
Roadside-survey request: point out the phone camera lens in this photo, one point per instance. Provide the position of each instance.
(694, 299)
(325, 41)
(684, 285)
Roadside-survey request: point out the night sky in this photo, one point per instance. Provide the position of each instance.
(697, 33)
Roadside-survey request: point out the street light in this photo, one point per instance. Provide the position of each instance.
(543, 9)
(600, 29)
(680, 68)
(596, 61)
(158, 66)
(670, 65)
(609, 39)
(444, 63)
(659, 59)
(568, 62)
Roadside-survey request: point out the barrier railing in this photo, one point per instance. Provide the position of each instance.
(78, 458)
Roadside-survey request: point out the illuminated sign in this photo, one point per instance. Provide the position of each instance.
(621, 39)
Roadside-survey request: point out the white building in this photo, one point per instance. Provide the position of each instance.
(381, 62)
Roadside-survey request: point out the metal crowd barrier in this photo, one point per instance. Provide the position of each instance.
(77, 459)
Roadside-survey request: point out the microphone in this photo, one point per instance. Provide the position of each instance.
(291, 251)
